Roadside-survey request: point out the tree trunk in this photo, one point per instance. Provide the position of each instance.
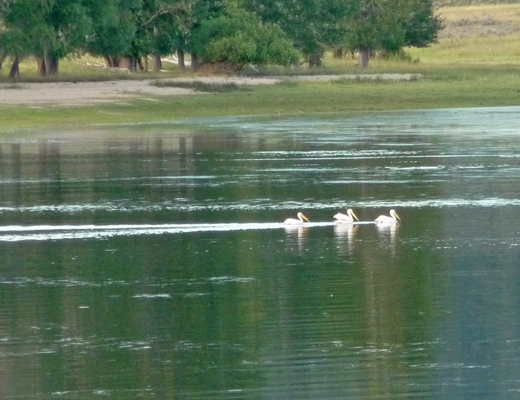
(339, 52)
(140, 63)
(195, 62)
(130, 63)
(2, 59)
(181, 61)
(40, 64)
(52, 65)
(125, 63)
(364, 57)
(111, 62)
(315, 60)
(156, 63)
(15, 68)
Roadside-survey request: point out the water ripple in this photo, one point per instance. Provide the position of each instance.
(256, 205)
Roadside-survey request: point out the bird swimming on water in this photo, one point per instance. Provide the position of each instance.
(294, 221)
(385, 219)
(348, 218)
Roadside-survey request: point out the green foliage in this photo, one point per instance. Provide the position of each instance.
(238, 39)
(316, 26)
(390, 25)
(273, 48)
(232, 32)
(48, 29)
(113, 28)
(422, 25)
(13, 41)
(312, 25)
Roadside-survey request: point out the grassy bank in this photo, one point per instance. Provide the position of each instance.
(475, 64)
(455, 87)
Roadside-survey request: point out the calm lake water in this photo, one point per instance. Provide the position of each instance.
(151, 261)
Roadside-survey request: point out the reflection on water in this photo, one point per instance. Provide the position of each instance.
(296, 237)
(153, 262)
(388, 232)
(345, 235)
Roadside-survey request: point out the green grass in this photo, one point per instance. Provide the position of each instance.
(461, 87)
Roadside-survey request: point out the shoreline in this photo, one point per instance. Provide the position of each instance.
(87, 93)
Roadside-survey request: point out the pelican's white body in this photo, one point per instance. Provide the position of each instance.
(293, 221)
(385, 219)
(346, 218)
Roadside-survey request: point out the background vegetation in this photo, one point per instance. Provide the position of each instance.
(474, 64)
(233, 33)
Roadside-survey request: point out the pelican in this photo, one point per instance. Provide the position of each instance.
(293, 221)
(348, 219)
(385, 219)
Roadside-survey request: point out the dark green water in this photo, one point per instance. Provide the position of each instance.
(151, 262)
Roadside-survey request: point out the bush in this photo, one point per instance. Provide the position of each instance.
(239, 39)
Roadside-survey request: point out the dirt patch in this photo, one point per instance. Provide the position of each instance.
(68, 93)
(81, 93)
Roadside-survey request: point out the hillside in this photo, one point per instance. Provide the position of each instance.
(456, 3)
(480, 21)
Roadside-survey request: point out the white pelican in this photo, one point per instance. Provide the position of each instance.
(385, 219)
(293, 221)
(348, 219)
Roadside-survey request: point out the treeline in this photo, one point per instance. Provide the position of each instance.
(234, 33)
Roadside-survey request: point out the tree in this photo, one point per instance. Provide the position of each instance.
(51, 29)
(199, 12)
(167, 21)
(114, 29)
(13, 43)
(313, 25)
(390, 25)
(126, 30)
(234, 32)
(422, 25)
(238, 39)
(23, 28)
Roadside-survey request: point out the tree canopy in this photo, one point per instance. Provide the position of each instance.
(231, 32)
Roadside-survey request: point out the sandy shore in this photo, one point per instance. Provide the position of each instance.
(80, 93)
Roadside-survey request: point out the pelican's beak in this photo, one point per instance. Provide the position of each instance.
(355, 216)
(305, 218)
(397, 216)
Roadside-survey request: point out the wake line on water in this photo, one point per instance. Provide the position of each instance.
(267, 204)
(16, 233)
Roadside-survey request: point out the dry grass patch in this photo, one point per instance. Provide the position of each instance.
(482, 51)
(485, 35)
(480, 21)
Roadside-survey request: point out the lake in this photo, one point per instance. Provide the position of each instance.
(152, 261)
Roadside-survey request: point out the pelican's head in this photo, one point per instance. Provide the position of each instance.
(350, 212)
(300, 215)
(394, 214)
